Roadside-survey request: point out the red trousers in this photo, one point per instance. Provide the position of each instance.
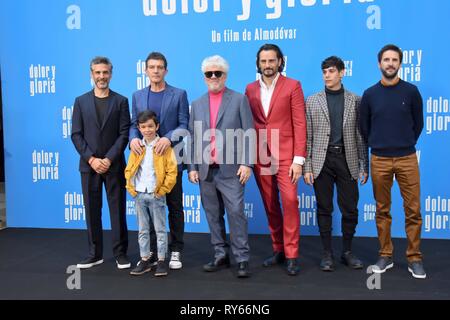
(284, 225)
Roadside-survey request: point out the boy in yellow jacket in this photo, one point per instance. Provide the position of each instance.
(149, 177)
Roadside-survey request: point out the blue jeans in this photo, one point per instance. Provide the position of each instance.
(150, 209)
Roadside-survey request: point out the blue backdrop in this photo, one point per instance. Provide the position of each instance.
(46, 47)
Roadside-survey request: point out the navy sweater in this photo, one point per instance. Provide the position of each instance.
(391, 119)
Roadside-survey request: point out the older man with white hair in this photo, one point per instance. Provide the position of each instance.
(222, 166)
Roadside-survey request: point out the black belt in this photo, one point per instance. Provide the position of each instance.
(214, 166)
(336, 149)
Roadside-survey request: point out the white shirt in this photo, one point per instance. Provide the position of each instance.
(266, 97)
(267, 92)
(145, 176)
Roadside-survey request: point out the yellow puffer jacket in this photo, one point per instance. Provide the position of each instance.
(165, 170)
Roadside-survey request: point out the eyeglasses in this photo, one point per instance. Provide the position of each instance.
(217, 74)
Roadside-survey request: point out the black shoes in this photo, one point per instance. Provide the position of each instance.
(292, 267)
(243, 270)
(217, 264)
(142, 267)
(327, 262)
(89, 263)
(347, 258)
(277, 258)
(350, 260)
(161, 269)
(123, 262)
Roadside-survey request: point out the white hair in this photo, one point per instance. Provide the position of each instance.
(215, 60)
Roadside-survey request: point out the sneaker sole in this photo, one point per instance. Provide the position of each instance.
(389, 266)
(89, 265)
(160, 274)
(242, 275)
(123, 266)
(417, 276)
(175, 267)
(140, 273)
(327, 269)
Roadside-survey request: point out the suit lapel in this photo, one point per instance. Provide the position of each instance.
(324, 105)
(225, 98)
(348, 102)
(206, 114)
(276, 92)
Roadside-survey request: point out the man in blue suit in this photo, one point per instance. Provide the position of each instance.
(172, 108)
(101, 121)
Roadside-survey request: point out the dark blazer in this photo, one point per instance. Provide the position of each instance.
(102, 140)
(174, 118)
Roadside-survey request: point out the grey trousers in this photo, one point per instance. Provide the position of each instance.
(219, 194)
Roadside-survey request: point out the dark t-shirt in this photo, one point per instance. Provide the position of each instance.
(101, 106)
(335, 103)
(155, 102)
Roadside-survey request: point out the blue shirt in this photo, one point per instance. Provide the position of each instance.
(154, 102)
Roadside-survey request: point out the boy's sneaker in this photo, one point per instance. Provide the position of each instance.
(383, 264)
(89, 263)
(417, 270)
(161, 269)
(175, 261)
(123, 262)
(142, 267)
(153, 259)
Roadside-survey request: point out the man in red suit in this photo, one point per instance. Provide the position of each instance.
(278, 108)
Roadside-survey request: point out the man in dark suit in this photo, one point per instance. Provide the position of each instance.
(336, 155)
(222, 154)
(101, 120)
(172, 109)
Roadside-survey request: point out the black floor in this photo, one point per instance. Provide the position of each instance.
(33, 264)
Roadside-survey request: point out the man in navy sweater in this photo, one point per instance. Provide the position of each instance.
(391, 120)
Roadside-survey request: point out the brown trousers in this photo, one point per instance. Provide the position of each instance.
(406, 172)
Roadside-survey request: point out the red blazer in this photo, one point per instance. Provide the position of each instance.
(286, 114)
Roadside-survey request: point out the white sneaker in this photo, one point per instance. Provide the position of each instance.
(175, 262)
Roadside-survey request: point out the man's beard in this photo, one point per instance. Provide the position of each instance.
(271, 72)
(389, 76)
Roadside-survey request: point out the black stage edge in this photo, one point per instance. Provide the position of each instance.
(34, 262)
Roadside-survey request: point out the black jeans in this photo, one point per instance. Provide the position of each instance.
(174, 201)
(335, 171)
